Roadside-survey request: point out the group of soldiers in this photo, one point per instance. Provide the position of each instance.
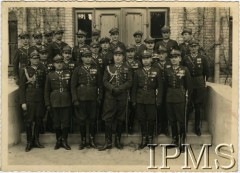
(153, 84)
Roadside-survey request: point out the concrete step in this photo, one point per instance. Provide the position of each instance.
(192, 138)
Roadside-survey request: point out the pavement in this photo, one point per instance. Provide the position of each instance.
(128, 159)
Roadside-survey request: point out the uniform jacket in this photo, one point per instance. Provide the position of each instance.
(162, 67)
(31, 85)
(147, 86)
(118, 44)
(177, 82)
(198, 68)
(107, 58)
(33, 48)
(98, 61)
(184, 47)
(47, 66)
(86, 84)
(139, 50)
(71, 65)
(135, 64)
(171, 44)
(77, 52)
(57, 89)
(55, 48)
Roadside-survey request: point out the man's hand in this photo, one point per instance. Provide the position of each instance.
(24, 106)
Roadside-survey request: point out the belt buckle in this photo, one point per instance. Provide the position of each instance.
(145, 88)
(61, 90)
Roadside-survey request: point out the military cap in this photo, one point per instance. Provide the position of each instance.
(94, 44)
(175, 52)
(42, 49)
(37, 34)
(58, 58)
(48, 31)
(186, 30)
(165, 29)
(162, 49)
(24, 35)
(149, 40)
(67, 48)
(146, 54)
(118, 50)
(138, 33)
(104, 40)
(58, 30)
(130, 47)
(113, 31)
(87, 52)
(193, 42)
(81, 32)
(34, 54)
(96, 32)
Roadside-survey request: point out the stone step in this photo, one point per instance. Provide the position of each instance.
(192, 138)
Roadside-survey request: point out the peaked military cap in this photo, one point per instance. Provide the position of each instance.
(67, 48)
(86, 52)
(81, 32)
(94, 44)
(118, 50)
(186, 30)
(48, 31)
(138, 33)
(162, 49)
(193, 42)
(149, 40)
(58, 58)
(175, 52)
(34, 54)
(37, 34)
(130, 47)
(58, 30)
(113, 31)
(43, 49)
(96, 32)
(165, 29)
(104, 40)
(24, 35)
(146, 54)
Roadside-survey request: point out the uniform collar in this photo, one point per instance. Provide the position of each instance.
(87, 66)
(147, 68)
(34, 67)
(59, 71)
(194, 55)
(118, 65)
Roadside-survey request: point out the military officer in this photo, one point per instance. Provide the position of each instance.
(117, 80)
(199, 70)
(162, 64)
(77, 50)
(57, 46)
(178, 83)
(68, 63)
(139, 46)
(21, 57)
(134, 65)
(38, 41)
(96, 59)
(31, 99)
(48, 34)
(58, 99)
(150, 42)
(114, 34)
(167, 42)
(86, 87)
(106, 54)
(44, 61)
(147, 82)
(95, 35)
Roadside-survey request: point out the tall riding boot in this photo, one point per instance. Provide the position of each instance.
(29, 138)
(175, 140)
(83, 144)
(64, 140)
(131, 118)
(92, 135)
(182, 138)
(36, 135)
(144, 138)
(118, 136)
(197, 120)
(58, 132)
(108, 137)
(150, 132)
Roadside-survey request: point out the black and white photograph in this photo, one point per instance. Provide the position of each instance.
(120, 86)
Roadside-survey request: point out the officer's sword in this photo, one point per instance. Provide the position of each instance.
(185, 114)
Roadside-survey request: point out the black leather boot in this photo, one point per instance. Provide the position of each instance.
(64, 139)
(118, 135)
(150, 140)
(29, 138)
(91, 142)
(197, 121)
(182, 138)
(83, 144)
(108, 137)
(36, 140)
(59, 139)
(118, 143)
(143, 143)
(175, 140)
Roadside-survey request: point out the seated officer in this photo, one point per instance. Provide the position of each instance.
(86, 87)
(58, 99)
(139, 46)
(117, 79)
(32, 101)
(179, 85)
(147, 82)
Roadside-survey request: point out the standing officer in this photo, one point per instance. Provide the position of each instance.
(114, 34)
(96, 59)
(106, 54)
(68, 63)
(178, 82)
(48, 34)
(32, 101)
(150, 42)
(38, 41)
(57, 46)
(86, 87)
(139, 46)
(147, 82)
(117, 80)
(95, 35)
(58, 98)
(168, 43)
(77, 50)
(21, 57)
(199, 70)
(162, 64)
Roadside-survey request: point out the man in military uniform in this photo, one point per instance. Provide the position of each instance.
(81, 47)
(58, 99)
(178, 82)
(95, 35)
(57, 46)
(117, 80)
(162, 64)
(114, 34)
(139, 46)
(150, 42)
(106, 54)
(86, 87)
(199, 70)
(96, 59)
(38, 41)
(134, 65)
(21, 57)
(168, 43)
(31, 99)
(68, 63)
(147, 82)
(48, 34)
